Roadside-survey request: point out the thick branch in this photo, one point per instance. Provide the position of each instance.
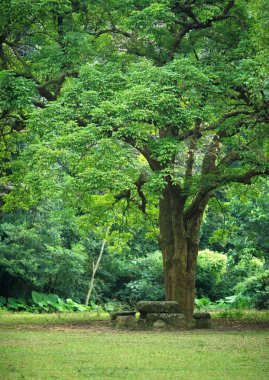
(204, 128)
(225, 117)
(190, 159)
(244, 178)
(144, 150)
(17, 54)
(42, 89)
(209, 161)
(139, 184)
(3, 59)
(229, 158)
(198, 205)
(196, 25)
(45, 93)
(236, 155)
(206, 189)
(111, 30)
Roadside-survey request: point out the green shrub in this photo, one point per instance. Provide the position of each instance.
(203, 304)
(47, 255)
(240, 268)
(211, 267)
(146, 280)
(257, 289)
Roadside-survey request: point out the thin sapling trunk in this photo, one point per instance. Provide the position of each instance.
(95, 268)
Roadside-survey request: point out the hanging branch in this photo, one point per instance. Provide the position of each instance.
(95, 267)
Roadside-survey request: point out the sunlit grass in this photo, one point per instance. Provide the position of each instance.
(247, 315)
(7, 318)
(80, 317)
(44, 351)
(43, 354)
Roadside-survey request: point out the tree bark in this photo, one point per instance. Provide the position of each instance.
(179, 241)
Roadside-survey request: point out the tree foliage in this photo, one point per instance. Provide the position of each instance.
(127, 106)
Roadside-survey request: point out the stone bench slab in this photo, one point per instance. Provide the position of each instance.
(203, 320)
(125, 321)
(201, 316)
(176, 320)
(145, 307)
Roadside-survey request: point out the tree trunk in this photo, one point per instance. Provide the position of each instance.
(179, 241)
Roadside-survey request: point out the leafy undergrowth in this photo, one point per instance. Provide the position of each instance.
(41, 302)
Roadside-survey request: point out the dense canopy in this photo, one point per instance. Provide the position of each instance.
(156, 105)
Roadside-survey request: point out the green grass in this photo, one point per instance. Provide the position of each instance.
(247, 315)
(40, 351)
(11, 318)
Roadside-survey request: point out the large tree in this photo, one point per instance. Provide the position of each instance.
(182, 84)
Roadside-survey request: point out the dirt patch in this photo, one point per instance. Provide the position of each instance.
(90, 327)
(222, 324)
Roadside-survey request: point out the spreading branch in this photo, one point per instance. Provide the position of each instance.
(143, 178)
(114, 30)
(3, 58)
(196, 24)
(244, 178)
(198, 132)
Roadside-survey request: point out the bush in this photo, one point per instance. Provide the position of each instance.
(146, 282)
(241, 268)
(257, 289)
(211, 267)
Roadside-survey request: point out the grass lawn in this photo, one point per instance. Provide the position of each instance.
(23, 318)
(95, 351)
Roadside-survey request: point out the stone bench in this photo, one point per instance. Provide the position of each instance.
(145, 307)
(203, 320)
(123, 318)
(160, 314)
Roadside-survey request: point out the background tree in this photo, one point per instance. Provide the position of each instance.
(148, 100)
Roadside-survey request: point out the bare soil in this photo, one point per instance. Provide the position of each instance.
(222, 324)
